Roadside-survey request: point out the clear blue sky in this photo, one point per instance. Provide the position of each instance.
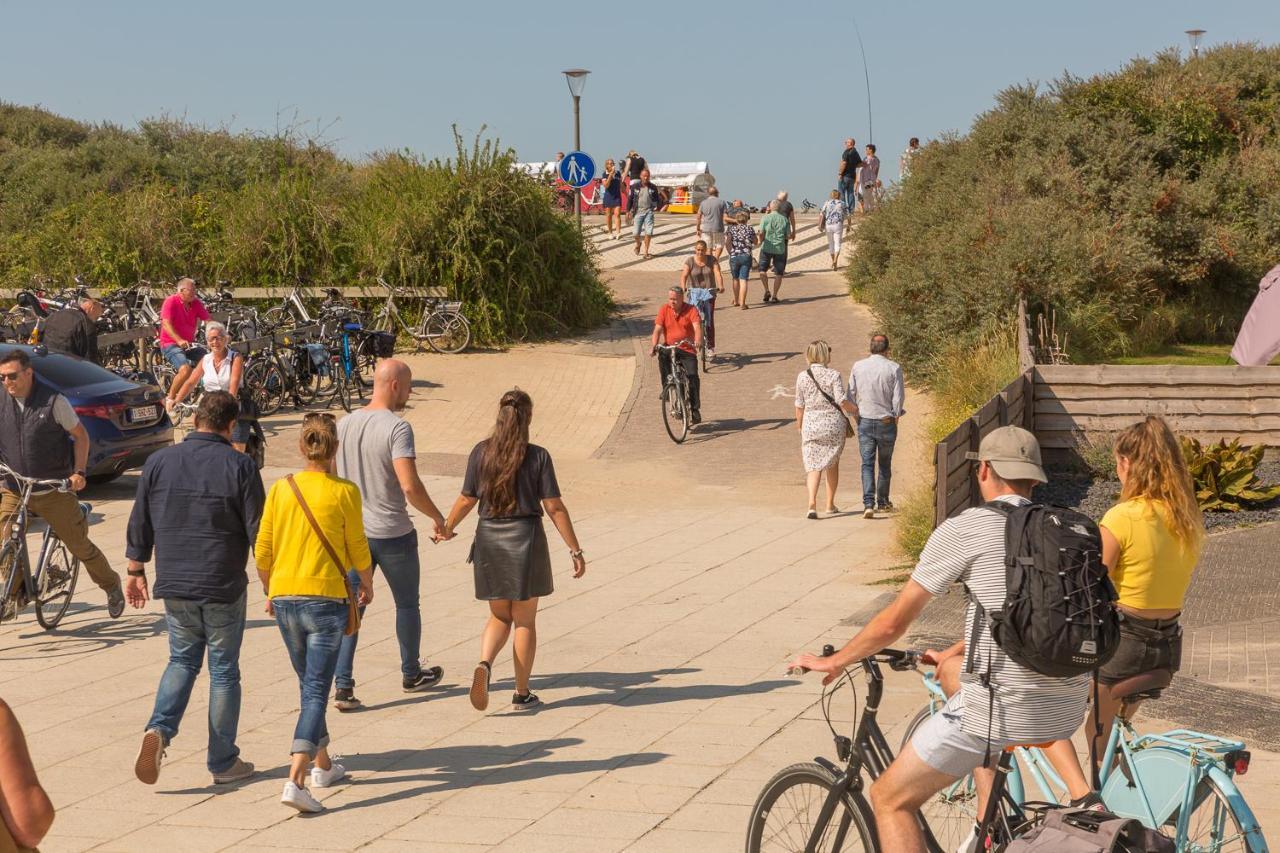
(764, 91)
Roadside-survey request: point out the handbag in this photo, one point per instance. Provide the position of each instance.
(353, 611)
(848, 427)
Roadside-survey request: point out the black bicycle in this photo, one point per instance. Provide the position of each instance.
(53, 581)
(677, 412)
(817, 806)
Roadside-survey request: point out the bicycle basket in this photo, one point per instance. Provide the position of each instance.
(455, 307)
(383, 344)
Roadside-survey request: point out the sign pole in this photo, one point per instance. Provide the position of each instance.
(577, 146)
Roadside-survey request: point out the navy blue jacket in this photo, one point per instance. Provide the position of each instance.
(198, 507)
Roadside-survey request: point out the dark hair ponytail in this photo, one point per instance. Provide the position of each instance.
(504, 452)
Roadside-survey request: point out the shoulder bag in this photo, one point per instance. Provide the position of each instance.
(848, 427)
(353, 611)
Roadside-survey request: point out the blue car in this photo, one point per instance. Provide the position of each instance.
(126, 421)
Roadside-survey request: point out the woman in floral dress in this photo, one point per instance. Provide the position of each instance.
(820, 417)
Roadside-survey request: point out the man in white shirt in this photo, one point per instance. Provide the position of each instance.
(877, 392)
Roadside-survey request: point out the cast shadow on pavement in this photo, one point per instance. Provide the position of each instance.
(712, 429)
(86, 637)
(735, 361)
(639, 688)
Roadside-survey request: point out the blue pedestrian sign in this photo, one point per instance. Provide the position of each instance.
(577, 169)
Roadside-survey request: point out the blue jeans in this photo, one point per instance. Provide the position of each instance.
(312, 630)
(179, 358)
(876, 440)
(398, 559)
(847, 194)
(643, 223)
(740, 267)
(193, 627)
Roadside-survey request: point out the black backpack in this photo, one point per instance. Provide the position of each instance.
(1059, 616)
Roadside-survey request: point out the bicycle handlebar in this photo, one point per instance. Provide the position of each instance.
(35, 482)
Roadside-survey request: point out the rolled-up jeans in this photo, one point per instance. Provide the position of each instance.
(398, 559)
(875, 441)
(193, 627)
(312, 629)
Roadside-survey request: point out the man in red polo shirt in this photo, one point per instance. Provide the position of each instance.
(179, 317)
(679, 321)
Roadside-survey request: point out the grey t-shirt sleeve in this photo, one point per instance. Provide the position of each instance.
(402, 442)
(64, 414)
(944, 560)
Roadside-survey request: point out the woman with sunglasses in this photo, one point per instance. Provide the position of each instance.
(311, 532)
(611, 199)
(222, 369)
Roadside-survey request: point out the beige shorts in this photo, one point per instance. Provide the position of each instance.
(715, 239)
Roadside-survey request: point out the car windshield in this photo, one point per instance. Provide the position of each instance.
(65, 372)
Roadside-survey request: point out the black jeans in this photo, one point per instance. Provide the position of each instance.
(689, 362)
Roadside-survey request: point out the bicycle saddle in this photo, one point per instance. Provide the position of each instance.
(1144, 685)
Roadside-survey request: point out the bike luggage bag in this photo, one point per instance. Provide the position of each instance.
(1067, 831)
(384, 344)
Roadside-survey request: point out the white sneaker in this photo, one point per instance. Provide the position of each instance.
(300, 799)
(967, 845)
(325, 778)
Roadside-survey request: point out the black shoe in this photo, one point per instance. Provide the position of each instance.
(344, 699)
(115, 602)
(426, 679)
(695, 418)
(885, 507)
(767, 296)
(526, 702)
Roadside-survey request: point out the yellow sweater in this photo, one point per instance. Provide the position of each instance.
(288, 547)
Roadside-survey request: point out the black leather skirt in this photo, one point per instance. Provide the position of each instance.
(510, 559)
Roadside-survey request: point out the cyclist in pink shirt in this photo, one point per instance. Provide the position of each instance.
(179, 317)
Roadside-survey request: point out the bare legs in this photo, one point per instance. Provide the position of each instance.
(833, 480)
(1062, 755)
(503, 615)
(300, 763)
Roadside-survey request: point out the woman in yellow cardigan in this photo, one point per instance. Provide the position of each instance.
(307, 592)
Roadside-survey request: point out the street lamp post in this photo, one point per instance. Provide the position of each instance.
(577, 79)
(1194, 36)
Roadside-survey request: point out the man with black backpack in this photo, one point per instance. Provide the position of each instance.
(1007, 554)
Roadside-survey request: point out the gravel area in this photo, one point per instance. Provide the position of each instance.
(1070, 488)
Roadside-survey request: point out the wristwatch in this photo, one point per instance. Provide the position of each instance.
(576, 554)
(140, 573)
(79, 473)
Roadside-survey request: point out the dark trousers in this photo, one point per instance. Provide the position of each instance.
(690, 363)
(875, 441)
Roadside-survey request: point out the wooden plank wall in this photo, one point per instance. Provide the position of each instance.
(1206, 402)
(955, 489)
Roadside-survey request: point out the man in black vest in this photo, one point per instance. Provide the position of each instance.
(37, 430)
(74, 329)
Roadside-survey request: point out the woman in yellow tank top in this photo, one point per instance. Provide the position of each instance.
(1150, 543)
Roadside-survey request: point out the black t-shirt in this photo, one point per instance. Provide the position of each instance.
(535, 481)
(637, 166)
(786, 208)
(851, 162)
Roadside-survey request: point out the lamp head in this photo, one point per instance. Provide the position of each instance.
(576, 78)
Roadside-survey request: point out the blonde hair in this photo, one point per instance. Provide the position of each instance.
(319, 437)
(1158, 472)
(818, 352)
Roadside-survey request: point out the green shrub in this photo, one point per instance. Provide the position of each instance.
(1225, 475)
(1142, 206)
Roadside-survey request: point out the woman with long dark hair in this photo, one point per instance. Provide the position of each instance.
(513, 482)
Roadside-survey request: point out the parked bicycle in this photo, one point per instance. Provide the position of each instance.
(677, 411)
(50, 586)
(441, 326)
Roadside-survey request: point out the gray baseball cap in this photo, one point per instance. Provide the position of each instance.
(1013, 452)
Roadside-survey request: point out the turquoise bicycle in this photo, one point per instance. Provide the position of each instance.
(1180, 782)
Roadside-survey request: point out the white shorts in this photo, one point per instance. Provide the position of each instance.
(715, 239)
(833, 239)
(944, 746)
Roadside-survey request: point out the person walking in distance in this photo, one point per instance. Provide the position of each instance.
(831, 220)
(631, 169)
(711, 222)
(42, 437)
(611, 199)
(376, 452)
(850, 162)
(514, 483)
(775, 233)
(645, 202)
(820, 418)
(877, 393)
(180, 316)
(312, 529)
(74, 329)
(741, 238)
(196, 512)
(788, 210)
(679, 324)
(908, 154)
(869, 180)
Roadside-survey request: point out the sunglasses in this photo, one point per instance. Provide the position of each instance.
(10, 377)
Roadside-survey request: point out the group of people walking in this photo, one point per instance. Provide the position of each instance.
(317, 537)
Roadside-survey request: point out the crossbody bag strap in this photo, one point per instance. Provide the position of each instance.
(825, 395)
(311, 519)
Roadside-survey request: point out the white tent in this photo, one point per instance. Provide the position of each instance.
(694, 174)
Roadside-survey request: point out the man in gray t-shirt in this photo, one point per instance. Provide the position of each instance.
(376, 452)
(711, 221)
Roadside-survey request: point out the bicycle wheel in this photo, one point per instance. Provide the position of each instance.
(277, 319)
(1213, 826)
(9, 583)
(164, 373)
(784, 816)
(675, 414)
(447, 331)
(952, 812)
(266, 383)
(56, 585)
(341, 385)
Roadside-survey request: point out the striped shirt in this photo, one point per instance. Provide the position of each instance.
(1027, 706)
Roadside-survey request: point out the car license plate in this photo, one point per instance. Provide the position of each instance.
(143, 413)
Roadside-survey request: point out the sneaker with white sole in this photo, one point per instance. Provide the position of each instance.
(237, 772)
(325, 778)
(300, 799)
(150, 755)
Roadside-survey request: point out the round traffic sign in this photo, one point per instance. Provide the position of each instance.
(577, 169)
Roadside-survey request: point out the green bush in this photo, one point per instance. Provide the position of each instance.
(169, 199)
(1142, 205)
(1225, 475)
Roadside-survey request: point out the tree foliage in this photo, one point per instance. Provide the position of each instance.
(1142, 205)
(167, 199)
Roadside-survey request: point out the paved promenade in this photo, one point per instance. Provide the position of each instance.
(661, 670)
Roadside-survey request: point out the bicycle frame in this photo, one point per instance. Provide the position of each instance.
(17, 535)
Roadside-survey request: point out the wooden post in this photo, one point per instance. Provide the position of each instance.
(940, 483)
(975, 439)
(1029, 400)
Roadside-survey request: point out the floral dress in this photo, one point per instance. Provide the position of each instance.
(823, 428)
